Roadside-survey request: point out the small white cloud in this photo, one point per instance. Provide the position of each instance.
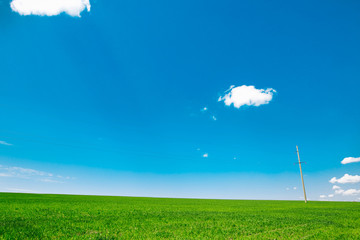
(204, 109)
(346, 179)
(294, 188)
(50, 7)
(335, 187)
(5, 143)
(214, 118)
(350, 160)
(331, 195)
(322, 196)
(205, 155)
(247, 95)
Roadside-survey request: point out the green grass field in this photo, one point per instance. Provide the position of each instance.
(38, 216)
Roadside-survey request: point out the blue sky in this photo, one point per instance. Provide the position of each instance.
(112, 102)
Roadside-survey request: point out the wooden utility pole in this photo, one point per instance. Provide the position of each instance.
(302, 178)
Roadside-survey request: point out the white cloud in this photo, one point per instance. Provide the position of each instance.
(5, 143)
(247, 95)
(204, 109)
(346, 179)
(339, 191)
(214, 118)
(351, 192)
(331, 195)
(350, 160)
(205, 155)
(50, 7)
(335, 187)
(294, 188)
(322, 196)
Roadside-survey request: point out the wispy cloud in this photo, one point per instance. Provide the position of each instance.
(247, 95)
(205, 155)
(5, 143)
(5, 175)
(27, 173)
(335, 187)
(50, 7)
(19, 190)
(22, 172)
(350, 160)
(49, 180)
(346, 179)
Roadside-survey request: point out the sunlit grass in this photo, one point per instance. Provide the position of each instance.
(38, 216)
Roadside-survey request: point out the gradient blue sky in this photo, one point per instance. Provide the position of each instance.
(110, 103)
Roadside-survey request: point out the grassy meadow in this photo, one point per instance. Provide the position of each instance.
(47, 216)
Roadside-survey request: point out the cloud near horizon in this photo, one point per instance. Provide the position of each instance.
(50, 7)
(346, 179)
(349, 192)
(350, 160)
(247, 95)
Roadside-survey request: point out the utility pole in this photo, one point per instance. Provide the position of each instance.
(302, 178)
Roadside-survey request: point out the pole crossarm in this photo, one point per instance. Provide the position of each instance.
(299, 163)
